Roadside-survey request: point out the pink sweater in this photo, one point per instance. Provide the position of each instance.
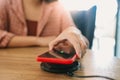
(12, 21)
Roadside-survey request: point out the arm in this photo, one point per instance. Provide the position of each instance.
(74, 36)
(24, 41)
(8, 39)
(4, 35)
(70, 33)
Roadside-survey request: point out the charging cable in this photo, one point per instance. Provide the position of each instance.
(71, 74)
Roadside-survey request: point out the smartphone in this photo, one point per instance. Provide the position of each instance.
(57, 57)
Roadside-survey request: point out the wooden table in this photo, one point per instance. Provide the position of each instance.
(21, 64)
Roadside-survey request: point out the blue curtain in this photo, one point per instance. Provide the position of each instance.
(117, 37)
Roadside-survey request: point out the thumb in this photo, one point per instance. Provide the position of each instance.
(78, 53)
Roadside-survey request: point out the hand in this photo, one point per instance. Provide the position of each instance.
(65, 46)
(73, 35)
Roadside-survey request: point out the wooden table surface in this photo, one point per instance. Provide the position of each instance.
(21, 64)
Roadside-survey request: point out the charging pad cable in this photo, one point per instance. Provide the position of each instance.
(71, 74)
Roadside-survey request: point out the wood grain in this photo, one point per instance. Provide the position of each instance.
(21, 64)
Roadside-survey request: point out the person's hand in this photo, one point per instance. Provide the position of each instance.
(64, 46)
(74, 36)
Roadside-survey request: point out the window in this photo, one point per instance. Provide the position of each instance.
(104, 40)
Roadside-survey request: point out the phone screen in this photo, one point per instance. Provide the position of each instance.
(56, 54)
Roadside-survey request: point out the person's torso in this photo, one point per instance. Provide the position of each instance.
(48, 24)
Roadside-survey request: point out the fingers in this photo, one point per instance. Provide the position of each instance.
(52, 43)
(55, 42)
(83, 45)
(65, 46)
(78, 43)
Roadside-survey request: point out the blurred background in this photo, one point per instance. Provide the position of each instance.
(105, 26)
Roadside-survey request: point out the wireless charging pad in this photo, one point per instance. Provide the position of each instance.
(60, 68)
